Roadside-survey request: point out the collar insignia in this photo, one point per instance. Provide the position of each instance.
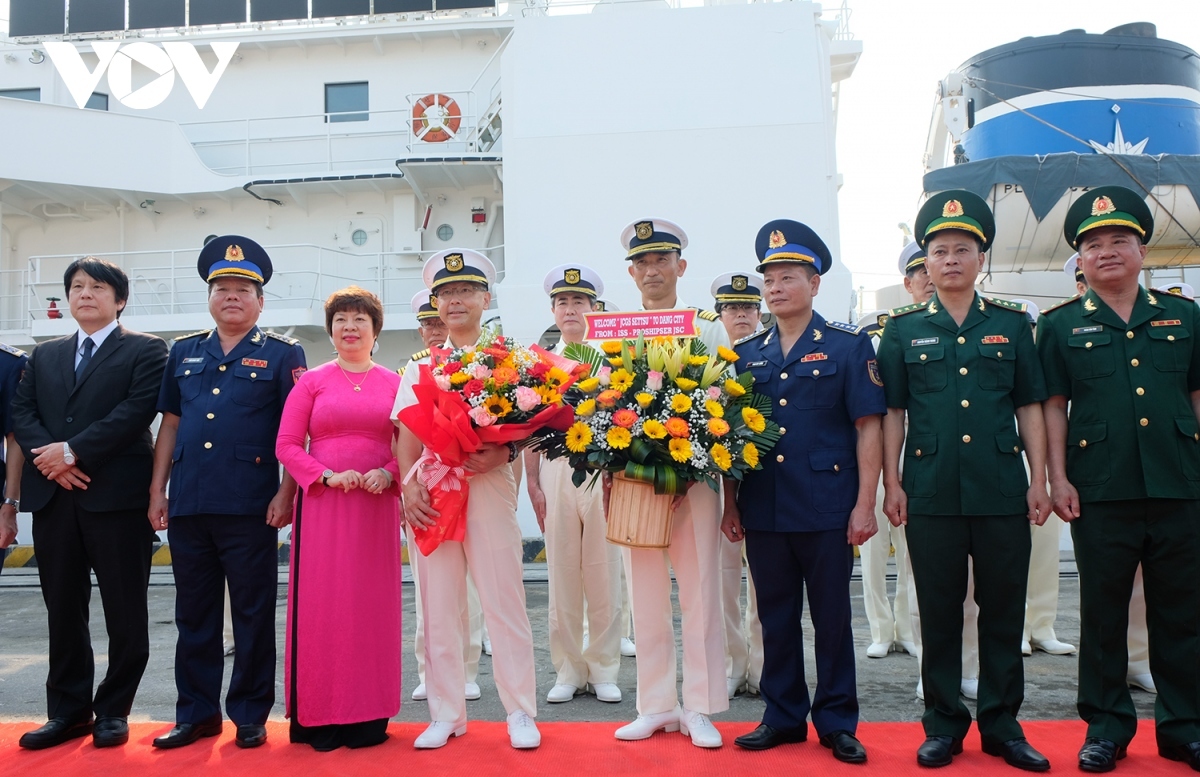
(982, 305)
(1151, 298)
(932, 307)
(1089, 306)
(258, 336)
(817, 335)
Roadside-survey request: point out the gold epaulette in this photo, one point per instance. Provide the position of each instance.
(707, 315)
(283, 338)
(419, 355)
(1066, 301)
(904, 311)
(204, 332)
(400, 371)
(1018, 307)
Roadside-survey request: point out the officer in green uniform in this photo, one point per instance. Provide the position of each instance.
(1125, 470)
(961, 366)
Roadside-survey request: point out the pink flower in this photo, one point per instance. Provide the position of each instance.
(605, 375)
(714, 392)
(442, 381)
(481, 416)
(480, 371)
(527, 398)
(654, 381)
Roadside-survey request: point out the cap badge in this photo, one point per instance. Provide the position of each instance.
(644, 230)
(777, 240)
(454, 262)
(433, 301)
(951, 209)
(599, 307)
(571, 277)
(234, 254)
(739, 283)
(1102, 205)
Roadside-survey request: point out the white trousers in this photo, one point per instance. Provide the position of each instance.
(491, 552)
(585, 574)
(888, 622)
(1041, 597)
(970, 636)
(693, 555)
(743, 637)
(1139, 638)
(471, 613)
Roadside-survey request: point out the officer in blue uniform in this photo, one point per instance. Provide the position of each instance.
(12, 364)
(813, 499)
(222, 396)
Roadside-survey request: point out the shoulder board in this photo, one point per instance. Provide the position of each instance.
(1178, 294)
(872, 329)
(1066, 301)
(282, 338)
(707, 315)
(419, 355)
(204, 332)
(844, 327)
(1018, 307)
(400, 371)
(748, 338)
(6, 348)
(913, 308)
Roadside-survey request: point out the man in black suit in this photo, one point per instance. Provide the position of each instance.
(82, 418)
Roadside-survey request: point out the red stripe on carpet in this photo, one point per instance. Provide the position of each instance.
(566, 747)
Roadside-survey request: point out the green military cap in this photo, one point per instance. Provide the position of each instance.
(1108, 206)
(956, 209)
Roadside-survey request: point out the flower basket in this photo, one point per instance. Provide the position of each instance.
(638, 517)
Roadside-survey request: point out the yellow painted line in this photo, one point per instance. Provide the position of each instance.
(162, 556)
(19, 557)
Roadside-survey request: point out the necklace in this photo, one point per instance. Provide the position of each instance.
(357, 386)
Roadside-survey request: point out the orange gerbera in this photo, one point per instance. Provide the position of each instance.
(505, 376)
(625, 417)
(677, 427)
(608, 398)
(718, 427)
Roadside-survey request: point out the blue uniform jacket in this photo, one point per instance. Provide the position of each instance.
(229, 407)
(809, 480)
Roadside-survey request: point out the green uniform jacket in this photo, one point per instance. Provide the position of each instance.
(1131, 431)
(961, 386)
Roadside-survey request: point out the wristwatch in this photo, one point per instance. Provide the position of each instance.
(325, 476)
(512, 452)
(14, 502)
(68, 457)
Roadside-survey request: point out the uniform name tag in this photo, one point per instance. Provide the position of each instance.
(1167, 322)
(1086, 330)
(815, 357)
(194, 360)
(762, 363)
(992, 339)
(925, 341)
(254, 362)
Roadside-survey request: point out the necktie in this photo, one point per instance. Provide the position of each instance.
(88, 345)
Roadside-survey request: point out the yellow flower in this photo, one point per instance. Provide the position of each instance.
(459, 378)
(696, 361)
(644, 399)
(681, 403)
(753, 419)
(733, 388)
(721, 457)
(622, 380)
(616, 361)
(750, 454)
(468, 357)
(579, 436)
(681, 450)
(497, 406)
(585, 408)
(727, 354)
(714, 408)
(718, 427)
(654, 429)
(686, 384)
(619, 437)
(589, 385)
(550, 396)
(612, 347)
(555, 377)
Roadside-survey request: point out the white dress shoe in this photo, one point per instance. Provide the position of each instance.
(699, 728)
(879, 649)
(419, 693)
(1026, 648)
(438, 734)
(608, 692)
(734, 686)
(1053, 647)
(471, 692)
(903, 645)
(523, 733)
(1143, 681)
(487, 645)
(970, 687)
(628, 649)
(645, 725)
(921, 690)
(561, 692)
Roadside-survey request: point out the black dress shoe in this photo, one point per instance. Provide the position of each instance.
(1100, 755)
(187, 733)
(845, 747)
(110, 732)
(55, 732)
(251, 735)
(1189, 754)
(1019, 753)
(764, 737)
(938, 751)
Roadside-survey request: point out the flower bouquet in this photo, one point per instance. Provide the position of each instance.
(496, 391)
(664, 413)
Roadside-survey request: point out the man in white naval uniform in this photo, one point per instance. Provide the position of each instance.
(654, 248)
(433, 333)
(738, 302)
(582, 565)
(461, 280)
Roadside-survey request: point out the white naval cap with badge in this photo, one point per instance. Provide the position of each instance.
(1073, 270)
(424, 305)
(872, 322)
(1031, 309)
(737, 288)
(912, 256)
(646, 235)
(573, 278)
(458, 265)
(1178, 288)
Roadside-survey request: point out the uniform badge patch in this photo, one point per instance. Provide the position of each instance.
(873, 372)
(762, 363)
(992, 339)
(815, 357)
(1087, 330)
(925, 341)
(194, 360)
(1167, 322)
(298, 373)
(254, 362)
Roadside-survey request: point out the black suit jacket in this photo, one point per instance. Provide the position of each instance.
(105, 418)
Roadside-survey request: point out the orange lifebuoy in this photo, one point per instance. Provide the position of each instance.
(436, 118)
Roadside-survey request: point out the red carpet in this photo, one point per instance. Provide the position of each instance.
(567, 748)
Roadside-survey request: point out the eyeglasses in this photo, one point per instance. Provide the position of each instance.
(457, 292)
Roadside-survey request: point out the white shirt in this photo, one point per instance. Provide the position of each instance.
(98, 339)
(712, 333)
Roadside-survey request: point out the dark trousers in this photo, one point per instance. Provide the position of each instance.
(998, 547)
(116, 546)
(784, 564)
(206, 551)
(1111, 539)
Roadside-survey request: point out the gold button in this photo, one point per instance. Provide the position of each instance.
(783, 403)
(918, 453)
(783, 430)
(1083, 443)
(221, 368)
(187, 372)
(1134, 362)
(254, 374)
(208, 445)
(966, 438)
(999, 354)
(1196, 436)
(216, 391)
(1016, 449)
(1171, 338)
(1087, 345)
(1140, 391)
(1144, 422)
(962, 370)
(836, 468)
(924, 357)
(779, 458)
(961, 339)
(1129, 335)
(783, 376)
(965, 403)
(211, 416)
(816, 372)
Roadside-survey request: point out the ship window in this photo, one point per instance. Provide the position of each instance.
(359, 236)
(346, 102)
(34, 94)
(445, 232)
(97, 102)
